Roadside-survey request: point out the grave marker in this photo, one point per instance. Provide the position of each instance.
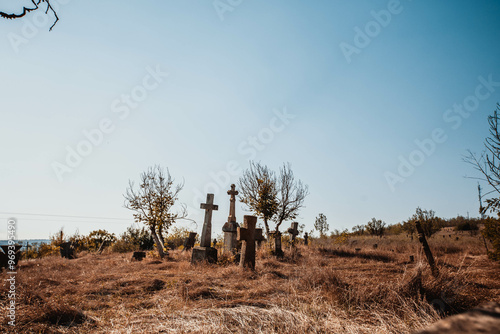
(138, 256)
(230, 227)
(246, 234)
(205, 252)
(293, 231)
(67, 250)
(189, 241)
(259, 236)
(4, 256)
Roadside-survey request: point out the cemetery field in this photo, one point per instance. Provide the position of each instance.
(348, 287)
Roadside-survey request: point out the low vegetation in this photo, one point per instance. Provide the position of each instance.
(354, 284)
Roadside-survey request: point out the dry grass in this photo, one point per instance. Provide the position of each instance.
(323, 289)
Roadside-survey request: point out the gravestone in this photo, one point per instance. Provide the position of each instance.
(4, 256)
(294, 231)
(67, 250)
(231, 226)
(138, 256)
(189, 241)
(259, 237)
(306, 238)
(205, 252)
(246, 235)
(278, 250)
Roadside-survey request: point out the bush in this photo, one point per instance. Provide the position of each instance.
(429, 222)
(134, 239)
(491, 232)
(39, 250)
(467, 226)
(176, 237)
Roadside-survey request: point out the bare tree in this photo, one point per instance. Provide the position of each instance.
(291, 196)
(26, 10)
(488, 162)
(259, 192)
(272, 198)
(152, 202)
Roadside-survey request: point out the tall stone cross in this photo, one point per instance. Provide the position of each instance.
(246, 234)
(232, 204)
(206, 233)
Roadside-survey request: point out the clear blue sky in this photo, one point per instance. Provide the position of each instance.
(359, 87)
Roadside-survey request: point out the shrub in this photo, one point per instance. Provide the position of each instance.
(491, 232)
(134, 239)
(467, 226)
(176, 237)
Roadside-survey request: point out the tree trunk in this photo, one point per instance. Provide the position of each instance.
(159, 244)
(266, 225)
(160, 234)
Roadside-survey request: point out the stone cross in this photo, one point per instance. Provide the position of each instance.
(206, 233)
(232, 210)
(259, 236)
(229, 228)
(278, 251)
(294, 230)
(246, 234)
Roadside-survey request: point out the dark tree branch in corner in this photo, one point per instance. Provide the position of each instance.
(12, 16)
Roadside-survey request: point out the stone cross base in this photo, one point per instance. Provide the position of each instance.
(230, 242)
(208, 254)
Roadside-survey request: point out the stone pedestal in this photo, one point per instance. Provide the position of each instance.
(208, 254)
(230, 241)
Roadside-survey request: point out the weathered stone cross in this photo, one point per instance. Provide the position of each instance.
(206, 233)
(232, 210)
(294, 230)
(246, 234)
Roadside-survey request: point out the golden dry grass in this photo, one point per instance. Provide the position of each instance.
(326, 288)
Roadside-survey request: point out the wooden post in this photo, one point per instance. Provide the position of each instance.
(427, 250)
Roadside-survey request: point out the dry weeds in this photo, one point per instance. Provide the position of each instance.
(324, 288)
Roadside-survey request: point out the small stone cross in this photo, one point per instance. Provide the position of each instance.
(294, 230)
(206, 233)
(232, 210)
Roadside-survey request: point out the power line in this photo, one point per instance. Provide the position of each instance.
(71, 221)
(63, 216)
